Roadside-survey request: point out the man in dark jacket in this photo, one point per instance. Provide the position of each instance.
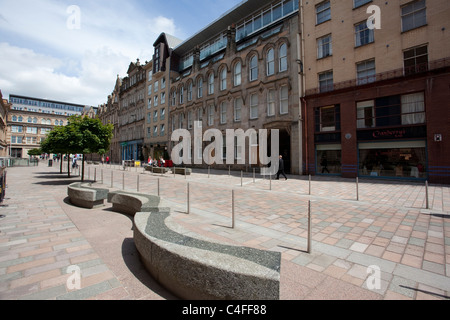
(281, 169)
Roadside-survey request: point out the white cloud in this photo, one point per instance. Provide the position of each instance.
(79, 65)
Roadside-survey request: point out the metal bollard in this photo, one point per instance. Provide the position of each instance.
(188, 200)
(427, 200)
(309, 192)
(232, 210)
(123, 181)
(309, 228)
(137, 184)
(357, 189)
(112, 178)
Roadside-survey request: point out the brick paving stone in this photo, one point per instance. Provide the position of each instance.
(388, 228)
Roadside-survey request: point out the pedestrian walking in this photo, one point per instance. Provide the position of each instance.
(281, 168)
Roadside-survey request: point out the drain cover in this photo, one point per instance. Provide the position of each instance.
(2, 216)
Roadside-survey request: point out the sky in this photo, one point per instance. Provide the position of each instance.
(72, 51)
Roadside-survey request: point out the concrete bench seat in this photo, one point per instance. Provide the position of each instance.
(160, 170)
(129, 203)
(196, 269)
(85, 196)
(182, 171)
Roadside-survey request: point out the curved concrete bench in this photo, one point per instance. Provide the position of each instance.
(182, 171)
(157, 169)
(85, 196)
(130, 203)
(195, 269)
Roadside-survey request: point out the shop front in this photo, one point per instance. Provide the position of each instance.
(389, 154)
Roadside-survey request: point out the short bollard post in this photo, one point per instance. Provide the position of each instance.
(137, 184)
(112, 178)
(229, 171)
(242, 178)
(427, 200)
(232, 209)
(123, 181)
(95, 174)
(102, 175)
(159, 193)
(209, 171)
(254, 175)
(309, 228)
(357, 189)
(89, 173)
(309, 192)
(185, 175)
(188, 200)
(270, 177)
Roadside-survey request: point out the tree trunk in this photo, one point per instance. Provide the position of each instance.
(82, 169)
(68, 164)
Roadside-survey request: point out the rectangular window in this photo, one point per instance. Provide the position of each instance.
(366, 72)
(211, 115)
(324, 47)
(359, 3)
(414, 15)
(190, 120)
(363, 35)
(323, 12)
(223, 113)
(326, 81)
(155, 116)
(163, 98)
(32, 130)
(237, 109)
(327, 119)
(402, 159)
(413, 108)
(211, 84)
(163, 114)
(284, 100)
(16, 129)
(329, 159)
(163, 130)
(365, 114)
(416, 60)
(155, 131)
(254, 106)
(156, 86)
(271, 102)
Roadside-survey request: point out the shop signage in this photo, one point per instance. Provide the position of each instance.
(393, 133)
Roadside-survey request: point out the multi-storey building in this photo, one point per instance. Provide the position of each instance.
(157, 97)
(31, 119)
(131, 113)
(109, 114)
(4, 107)
(241, 72)
(377, 91)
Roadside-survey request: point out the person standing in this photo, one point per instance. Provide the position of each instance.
(281, 168)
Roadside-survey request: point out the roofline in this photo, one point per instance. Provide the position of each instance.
(232, 16)
(51, 101)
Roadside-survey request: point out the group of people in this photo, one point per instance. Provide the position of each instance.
(155, 163)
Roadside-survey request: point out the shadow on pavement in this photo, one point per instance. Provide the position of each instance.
(134, 264)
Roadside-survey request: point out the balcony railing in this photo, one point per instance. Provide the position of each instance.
(393, 74)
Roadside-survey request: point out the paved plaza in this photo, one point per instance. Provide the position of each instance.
(373, 240)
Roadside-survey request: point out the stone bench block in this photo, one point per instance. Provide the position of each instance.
(196, 269)
(85, 196)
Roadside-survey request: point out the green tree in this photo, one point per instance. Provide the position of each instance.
(91, 136)
(60, 140)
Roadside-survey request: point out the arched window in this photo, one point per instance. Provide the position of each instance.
(190, 88)
(254, 68)
(211, 83)
(237, 74)
(270, 62)
(200, 88)
(283, 58)
(223, 79)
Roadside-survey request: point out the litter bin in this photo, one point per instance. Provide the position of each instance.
(50, 163)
